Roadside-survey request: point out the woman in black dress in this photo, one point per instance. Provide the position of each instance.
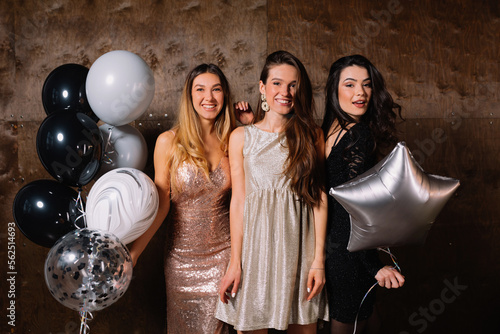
(359, 123)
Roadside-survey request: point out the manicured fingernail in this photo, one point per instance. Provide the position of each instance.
(308, 290)
(233, 294)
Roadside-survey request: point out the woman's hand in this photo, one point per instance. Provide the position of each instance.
(243, 112)
(230, 283)
(389, 277)
(315, 280)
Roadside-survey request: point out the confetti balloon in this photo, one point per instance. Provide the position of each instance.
(393, 203)
(124, 201)
(88, 269)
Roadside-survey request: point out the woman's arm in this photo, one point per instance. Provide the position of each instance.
(316, 279)
(231, 280)
(162, 181)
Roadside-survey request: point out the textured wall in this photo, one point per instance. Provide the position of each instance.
(440, 60)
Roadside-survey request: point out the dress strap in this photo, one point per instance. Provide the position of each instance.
(338, 136)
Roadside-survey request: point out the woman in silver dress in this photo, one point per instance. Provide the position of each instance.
(278, 209)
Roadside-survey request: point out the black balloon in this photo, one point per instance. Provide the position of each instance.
(69, 146)
(46, 210)
(64, 89)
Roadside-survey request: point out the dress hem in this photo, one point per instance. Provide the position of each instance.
(254, 328)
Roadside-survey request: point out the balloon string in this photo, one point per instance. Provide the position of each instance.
(366, 295)
(107, 159)
(84, 317)
(393, 258)
(396, 266)
(79, 206)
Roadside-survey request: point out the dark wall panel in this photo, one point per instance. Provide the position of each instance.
(440, 61)
(438, 57)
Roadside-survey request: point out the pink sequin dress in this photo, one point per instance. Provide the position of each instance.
(197, 249)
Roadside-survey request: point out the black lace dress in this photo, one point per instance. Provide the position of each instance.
(348, 275)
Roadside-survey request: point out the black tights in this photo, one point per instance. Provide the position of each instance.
(370, 326)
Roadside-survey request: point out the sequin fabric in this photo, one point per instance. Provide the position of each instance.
(278, 244)
(197, 249)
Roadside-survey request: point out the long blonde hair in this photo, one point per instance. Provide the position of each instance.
(188, 143)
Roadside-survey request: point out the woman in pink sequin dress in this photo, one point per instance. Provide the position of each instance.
(193, 180)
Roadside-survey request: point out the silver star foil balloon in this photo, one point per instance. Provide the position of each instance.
(88, 269)
(394, 203)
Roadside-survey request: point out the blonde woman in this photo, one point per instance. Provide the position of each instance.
(193, 180)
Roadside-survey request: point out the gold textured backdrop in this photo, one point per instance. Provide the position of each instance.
(441, 63)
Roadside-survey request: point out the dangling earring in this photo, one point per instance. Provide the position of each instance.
(264, 105)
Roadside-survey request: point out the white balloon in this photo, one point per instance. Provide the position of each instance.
(124, 146)
(120, 87)
(124, 202)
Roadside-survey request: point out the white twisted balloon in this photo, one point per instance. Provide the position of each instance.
(124, 202)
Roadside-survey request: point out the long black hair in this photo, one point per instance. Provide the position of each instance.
(382, 111)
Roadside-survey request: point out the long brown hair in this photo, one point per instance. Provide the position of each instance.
(188, 144)
(301, 132)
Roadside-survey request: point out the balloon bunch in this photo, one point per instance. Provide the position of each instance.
(88, 269)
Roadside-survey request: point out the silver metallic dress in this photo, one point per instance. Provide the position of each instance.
(278, 244)
(197, 249)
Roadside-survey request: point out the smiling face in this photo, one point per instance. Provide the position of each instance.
(354, 91)
(207, 96)
(280, 88)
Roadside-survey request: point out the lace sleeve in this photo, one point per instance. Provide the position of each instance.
(359, 155)
(360, 160)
